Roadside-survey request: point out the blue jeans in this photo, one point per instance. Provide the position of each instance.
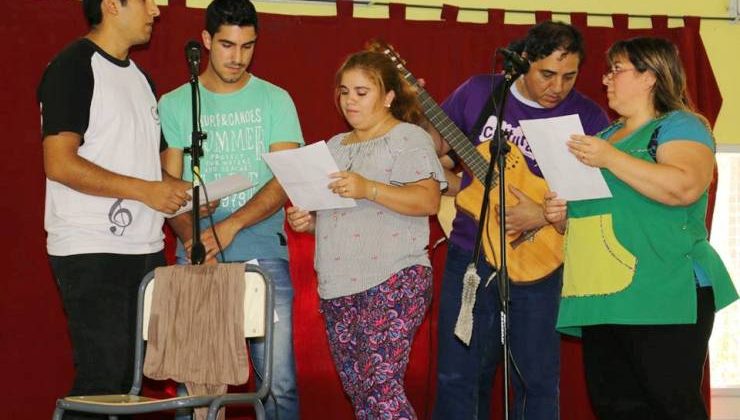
(283, 389)
(465, 374)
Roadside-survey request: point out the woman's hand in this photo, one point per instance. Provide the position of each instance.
(300, 220)
(680, 175)
(555, 211)
(590, 150)
(350, 185)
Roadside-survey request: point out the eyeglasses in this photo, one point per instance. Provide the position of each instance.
(612, 73)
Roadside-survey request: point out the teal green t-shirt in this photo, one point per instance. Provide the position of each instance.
(240, 127)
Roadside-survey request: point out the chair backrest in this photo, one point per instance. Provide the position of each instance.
(254, 305)
(259, 314)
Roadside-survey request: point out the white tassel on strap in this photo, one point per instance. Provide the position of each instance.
(464, 324)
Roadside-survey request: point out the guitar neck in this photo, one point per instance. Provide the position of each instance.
(457, 140)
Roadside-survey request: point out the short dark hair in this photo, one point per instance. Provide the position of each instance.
(230, 12)
(93, 13)
(547, 37)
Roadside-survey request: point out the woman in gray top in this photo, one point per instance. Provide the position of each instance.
(375, 278)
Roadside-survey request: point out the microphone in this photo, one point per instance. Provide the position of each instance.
(515, 61)
(192, 54)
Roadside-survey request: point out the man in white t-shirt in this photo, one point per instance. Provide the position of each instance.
(105, 190)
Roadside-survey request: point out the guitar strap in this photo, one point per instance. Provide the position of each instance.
(487, 111)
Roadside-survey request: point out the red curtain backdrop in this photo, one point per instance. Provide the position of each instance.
(300, 54)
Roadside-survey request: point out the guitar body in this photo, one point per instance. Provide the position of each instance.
(446, 214)
(527, 260)
(534, 254)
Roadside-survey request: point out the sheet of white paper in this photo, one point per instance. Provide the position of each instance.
(565, 175)
(304, 175)
(218, 189)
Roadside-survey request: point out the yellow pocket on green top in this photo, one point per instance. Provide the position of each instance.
(595, 262)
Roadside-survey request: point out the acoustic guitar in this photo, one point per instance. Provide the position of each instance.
(530, 256)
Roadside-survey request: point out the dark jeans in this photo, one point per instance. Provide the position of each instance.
(99, 295)
(465, 374)
(649, 371)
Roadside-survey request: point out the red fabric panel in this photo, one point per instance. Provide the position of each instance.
(659, 22)
(344, 9)
(542, 15)
(579, 20)
(397, 11)
(449, 13)
(300, 54)
(496, 15)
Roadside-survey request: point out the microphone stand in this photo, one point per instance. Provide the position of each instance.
(504, 283)
(197, 251)
(499, 148)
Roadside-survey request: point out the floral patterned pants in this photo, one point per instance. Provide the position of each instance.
(370, 336)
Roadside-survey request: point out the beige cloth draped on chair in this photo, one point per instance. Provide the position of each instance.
(196, 328)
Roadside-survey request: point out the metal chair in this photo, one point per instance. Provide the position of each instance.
(258, 322)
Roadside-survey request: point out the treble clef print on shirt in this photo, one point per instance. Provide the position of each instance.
(120, 217)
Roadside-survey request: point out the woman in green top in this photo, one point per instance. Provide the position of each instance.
(641, 282)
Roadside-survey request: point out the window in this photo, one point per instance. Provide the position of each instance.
(724, 346)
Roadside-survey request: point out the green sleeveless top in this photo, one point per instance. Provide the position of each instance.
(630, 260)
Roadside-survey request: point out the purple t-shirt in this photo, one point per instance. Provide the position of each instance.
(467, 102)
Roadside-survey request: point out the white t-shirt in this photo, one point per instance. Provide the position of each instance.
(111, 104)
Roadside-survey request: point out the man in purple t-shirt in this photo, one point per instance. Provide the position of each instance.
(465, 373)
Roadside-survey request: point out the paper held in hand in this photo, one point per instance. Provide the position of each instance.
(304, 175)
(218, 189)
(565, 175)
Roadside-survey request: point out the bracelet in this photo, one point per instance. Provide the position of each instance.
(374, 192)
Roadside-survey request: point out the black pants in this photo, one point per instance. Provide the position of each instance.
(649, 371)
(99, 296)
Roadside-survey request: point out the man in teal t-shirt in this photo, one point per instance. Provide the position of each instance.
(243, 117)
